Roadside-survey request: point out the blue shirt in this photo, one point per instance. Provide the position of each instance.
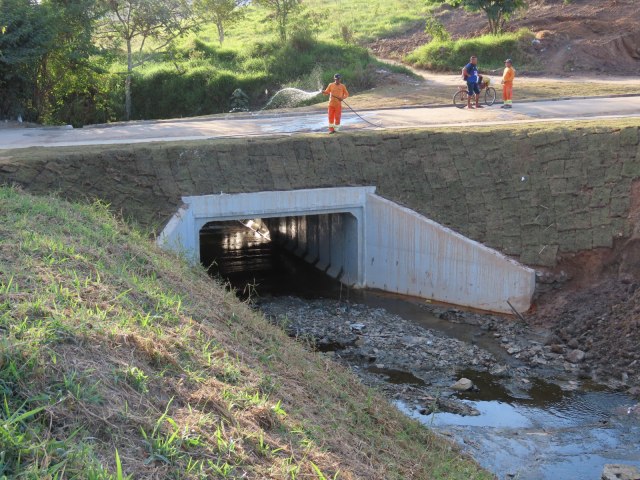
(472, 73)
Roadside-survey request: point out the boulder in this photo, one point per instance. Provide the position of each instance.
(575, 356)
(463, 385)
(620, 472)
(449, 405)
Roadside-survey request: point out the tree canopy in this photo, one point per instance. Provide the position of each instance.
(497, 11)
(220, 12)
(281, 10)
(136, 22)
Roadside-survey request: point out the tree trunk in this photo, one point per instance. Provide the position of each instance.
(220, 26)
(40, 88)
(127, 82)
(281, 15)
(493, 28)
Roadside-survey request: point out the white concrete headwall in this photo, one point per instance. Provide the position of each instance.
(324, 226)
(409, 254)
(367, 241)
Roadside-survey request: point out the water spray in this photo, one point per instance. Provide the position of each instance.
(289, 97)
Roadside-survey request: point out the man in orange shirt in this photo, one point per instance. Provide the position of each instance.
(507, 83)
(337, 92)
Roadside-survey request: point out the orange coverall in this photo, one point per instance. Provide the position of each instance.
(335, 106)
(507, 84)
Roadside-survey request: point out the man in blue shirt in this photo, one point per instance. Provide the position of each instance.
(471, 76)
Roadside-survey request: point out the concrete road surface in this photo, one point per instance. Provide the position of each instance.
(273, 123)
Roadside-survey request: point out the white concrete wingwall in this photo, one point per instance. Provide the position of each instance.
(366, 241)
(409, 254)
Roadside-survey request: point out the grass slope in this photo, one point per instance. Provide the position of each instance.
(119, 360)
(355, 20)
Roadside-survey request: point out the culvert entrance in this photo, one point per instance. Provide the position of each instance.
(366, 241)
(255, 260)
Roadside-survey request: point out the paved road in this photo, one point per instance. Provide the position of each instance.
(270, 123)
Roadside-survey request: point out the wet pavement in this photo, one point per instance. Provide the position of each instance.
(288, 123)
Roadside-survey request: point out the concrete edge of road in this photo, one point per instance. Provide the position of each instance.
(156, 140)
(260, 114)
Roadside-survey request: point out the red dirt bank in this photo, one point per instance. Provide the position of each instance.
(592, 36)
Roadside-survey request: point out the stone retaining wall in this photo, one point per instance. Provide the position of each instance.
(532, 192)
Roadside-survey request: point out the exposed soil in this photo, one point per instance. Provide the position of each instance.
(602, 320)
(591, 302)
(592, 36)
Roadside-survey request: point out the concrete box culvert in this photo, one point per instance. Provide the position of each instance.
(366, 241)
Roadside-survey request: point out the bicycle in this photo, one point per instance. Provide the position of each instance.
(460, 97)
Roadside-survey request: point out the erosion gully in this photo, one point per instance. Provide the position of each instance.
(530, 415)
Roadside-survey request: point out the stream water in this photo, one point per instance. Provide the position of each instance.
(545, 432)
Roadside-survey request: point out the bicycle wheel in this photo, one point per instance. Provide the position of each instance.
(460, 99)
(489, 96)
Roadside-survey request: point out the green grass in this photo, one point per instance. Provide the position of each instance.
(121, 361)
(198, 75)
(206, 75)
(366, 20)
(491, 50)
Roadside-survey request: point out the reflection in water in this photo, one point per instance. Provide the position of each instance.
(550, 434)
(254, 265)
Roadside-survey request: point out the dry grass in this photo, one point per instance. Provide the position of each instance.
(441, 91)
(111, 345)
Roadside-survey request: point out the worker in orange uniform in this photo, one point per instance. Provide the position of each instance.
(337, 92)
(507, 83)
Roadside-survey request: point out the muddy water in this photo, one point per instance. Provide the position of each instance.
(554, 429)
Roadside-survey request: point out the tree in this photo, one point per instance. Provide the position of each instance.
(135, 22)
(221, 12)
(497, 11)
(27, 36)
(66, 65)
(282, 9)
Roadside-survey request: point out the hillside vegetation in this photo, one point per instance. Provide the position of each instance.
(121, 361)
(493, 49)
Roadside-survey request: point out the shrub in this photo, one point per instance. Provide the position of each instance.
(168, 93)
(490, 49)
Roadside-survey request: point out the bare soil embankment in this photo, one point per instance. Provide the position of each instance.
(574, 37)
(591, 303)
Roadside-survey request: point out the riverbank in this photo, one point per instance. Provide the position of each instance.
(522, 404)
(117, 357)
(415, 363)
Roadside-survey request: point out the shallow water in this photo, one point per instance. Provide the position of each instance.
(545, 433)
(549, 434)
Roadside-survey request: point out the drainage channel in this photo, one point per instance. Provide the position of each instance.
(524, 426)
